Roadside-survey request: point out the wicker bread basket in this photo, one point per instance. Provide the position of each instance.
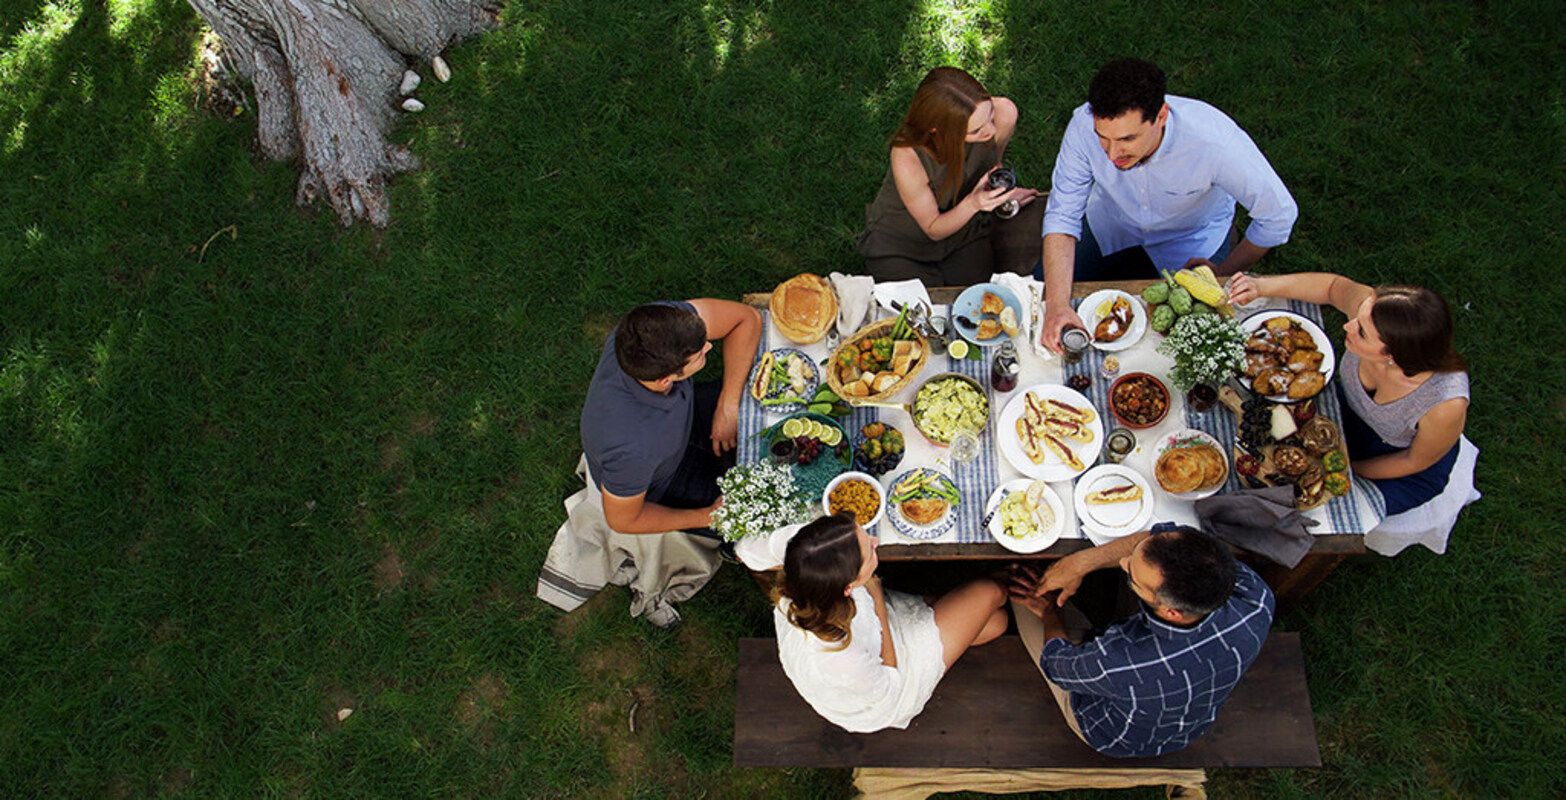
(874, 330)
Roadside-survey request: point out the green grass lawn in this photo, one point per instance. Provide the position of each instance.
(312, 468)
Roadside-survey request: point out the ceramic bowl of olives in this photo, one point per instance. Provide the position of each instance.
(880, 449)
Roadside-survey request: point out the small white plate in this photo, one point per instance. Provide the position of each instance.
(1036, 542)
(1052, 469)
(1329, 360)
(1103, 523)
(1088, 311)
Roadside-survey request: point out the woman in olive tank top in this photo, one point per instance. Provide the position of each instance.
(931, 218)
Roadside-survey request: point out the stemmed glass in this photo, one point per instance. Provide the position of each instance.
(965, 446)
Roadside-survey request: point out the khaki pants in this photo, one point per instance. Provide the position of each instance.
(1031, 629)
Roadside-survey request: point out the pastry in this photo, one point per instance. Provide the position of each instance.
(1319, 436)
(1291, 461)
(1118, 494)
(923, 510)
(1214, 467)
(991, 304)
(989, 329)
(1178, 471)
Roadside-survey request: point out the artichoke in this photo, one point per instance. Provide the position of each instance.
(1180, 300)
(1156, 293)
(1163, 318)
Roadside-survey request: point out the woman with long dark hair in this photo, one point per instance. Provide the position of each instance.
(930, 219)
(863, 657)
(1405, 393)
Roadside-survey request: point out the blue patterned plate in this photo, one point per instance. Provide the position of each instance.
(778, 389)
(894, 511)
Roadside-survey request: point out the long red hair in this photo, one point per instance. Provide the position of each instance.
(937, 121)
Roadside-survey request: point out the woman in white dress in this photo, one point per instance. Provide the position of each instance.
(865, 658)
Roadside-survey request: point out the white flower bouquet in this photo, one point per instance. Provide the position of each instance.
(1206, 348)
(757, 499)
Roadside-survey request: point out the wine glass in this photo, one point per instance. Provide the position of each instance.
(965, 446)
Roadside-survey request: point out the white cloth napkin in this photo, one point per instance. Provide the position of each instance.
(761, 553)
(1028, 292)
(853, 300)
(902, 292)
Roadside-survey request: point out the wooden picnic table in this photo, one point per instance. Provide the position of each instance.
(1290, 585)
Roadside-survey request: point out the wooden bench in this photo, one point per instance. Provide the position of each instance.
(992, 710)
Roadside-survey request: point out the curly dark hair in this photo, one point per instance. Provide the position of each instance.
(1199, 571)
(1125, 84)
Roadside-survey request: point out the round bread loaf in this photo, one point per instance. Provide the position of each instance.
(803, 308)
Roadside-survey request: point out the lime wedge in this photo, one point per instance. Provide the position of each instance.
(832, 436)
(957, 349)
(794, 428)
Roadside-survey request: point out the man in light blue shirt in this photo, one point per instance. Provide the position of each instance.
(1146, 182)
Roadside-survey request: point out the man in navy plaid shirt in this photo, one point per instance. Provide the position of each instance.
(1152, 683)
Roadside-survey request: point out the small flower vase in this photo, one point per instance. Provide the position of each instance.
(1201, 397)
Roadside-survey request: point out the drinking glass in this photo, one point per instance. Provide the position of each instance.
(965, 446)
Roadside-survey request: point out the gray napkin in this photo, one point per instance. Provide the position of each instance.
(1263, 521)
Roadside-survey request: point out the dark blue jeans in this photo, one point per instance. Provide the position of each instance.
(695, 482)
(1122, 265)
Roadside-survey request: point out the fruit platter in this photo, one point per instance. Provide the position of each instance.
(813, 446)
(1291, 445)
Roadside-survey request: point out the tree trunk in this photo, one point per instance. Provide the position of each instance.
(326, 74)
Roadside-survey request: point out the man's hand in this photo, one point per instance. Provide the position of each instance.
(1201, 262)
(725, 426)
(1057, 317)
(1063, 577)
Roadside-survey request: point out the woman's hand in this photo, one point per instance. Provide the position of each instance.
(1243, 288)
(983, 198)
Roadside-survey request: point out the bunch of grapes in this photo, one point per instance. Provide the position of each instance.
(1255, 424)
(806, 449)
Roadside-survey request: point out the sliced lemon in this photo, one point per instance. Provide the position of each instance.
(958, 349)
(1105, 307)
(831, 437)
(794, 428)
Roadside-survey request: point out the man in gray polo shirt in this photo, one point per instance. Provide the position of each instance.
(656, 444)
